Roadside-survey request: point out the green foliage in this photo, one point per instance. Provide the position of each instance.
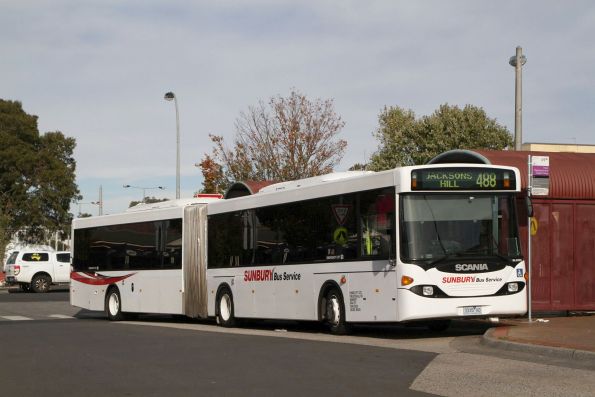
(37, 176)
(405, 140)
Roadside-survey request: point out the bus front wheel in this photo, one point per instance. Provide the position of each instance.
(113, 305)
(335, 313)
(225, 313)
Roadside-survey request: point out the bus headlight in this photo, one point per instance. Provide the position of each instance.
(428, 290)
(513, 287)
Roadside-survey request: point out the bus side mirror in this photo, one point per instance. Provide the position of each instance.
(529, 206)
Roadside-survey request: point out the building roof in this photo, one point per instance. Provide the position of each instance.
(559, 147)
(572, 175)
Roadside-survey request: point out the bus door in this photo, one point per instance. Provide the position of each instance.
(195, 261)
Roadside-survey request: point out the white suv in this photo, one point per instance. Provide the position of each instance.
(38, 270)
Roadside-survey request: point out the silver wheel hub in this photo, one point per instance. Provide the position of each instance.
(41, 284)
(114, 304)
(333, 311)
(225, 307)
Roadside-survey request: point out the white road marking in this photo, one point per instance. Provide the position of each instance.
(16, 318)
(60, 316)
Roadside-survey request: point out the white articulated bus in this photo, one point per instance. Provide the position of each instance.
(422, 243)
(138, 261)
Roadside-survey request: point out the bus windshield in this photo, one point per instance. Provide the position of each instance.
(439, 227)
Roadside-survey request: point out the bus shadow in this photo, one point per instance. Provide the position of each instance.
(401, 331)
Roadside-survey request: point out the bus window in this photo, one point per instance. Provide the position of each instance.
(376, 222)
(172, 237)
(228, 240)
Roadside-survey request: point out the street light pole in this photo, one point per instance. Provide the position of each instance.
(518, 61)
(100, 200)
(168, 97)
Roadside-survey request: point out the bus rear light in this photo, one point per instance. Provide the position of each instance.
(513, 287)
(406, 280)
(17, 269)
(428, 290)
(527, 276)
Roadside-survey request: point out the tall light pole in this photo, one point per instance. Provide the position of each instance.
(143, 188)
(168, 97)
(518, 61)
(100, 200)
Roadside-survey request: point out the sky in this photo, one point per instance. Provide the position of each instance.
(97, 70)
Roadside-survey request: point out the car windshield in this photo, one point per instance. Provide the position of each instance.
(436, 227)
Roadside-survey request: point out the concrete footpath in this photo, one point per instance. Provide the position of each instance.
(570, 337)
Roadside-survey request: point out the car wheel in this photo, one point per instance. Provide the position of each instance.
(41, 283)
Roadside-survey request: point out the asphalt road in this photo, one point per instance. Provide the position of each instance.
(87, 355)
(51, 348)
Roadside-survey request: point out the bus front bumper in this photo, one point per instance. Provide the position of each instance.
(415, 307)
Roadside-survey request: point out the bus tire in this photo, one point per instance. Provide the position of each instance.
(41, 283)
(439, 325)
(113, 305)
(225, 309)
(334, 315)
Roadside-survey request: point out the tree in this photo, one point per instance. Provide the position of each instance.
(405, 140)
(286, 138)
(37, 177)
(147, 200)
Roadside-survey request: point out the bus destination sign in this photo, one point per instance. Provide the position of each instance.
(463, 179)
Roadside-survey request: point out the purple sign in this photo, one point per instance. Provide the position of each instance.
(541, 166)
(541, 170)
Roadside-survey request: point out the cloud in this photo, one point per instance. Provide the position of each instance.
(98, 70)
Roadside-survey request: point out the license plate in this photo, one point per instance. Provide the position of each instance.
(471, 310)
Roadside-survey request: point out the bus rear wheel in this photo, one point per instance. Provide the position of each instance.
(334, 315)
(225, 309)
(113, 305)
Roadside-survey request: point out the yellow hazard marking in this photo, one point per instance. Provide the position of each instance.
(340, 235)
(534, 226)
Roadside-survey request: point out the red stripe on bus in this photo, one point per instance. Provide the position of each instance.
(96, 279)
